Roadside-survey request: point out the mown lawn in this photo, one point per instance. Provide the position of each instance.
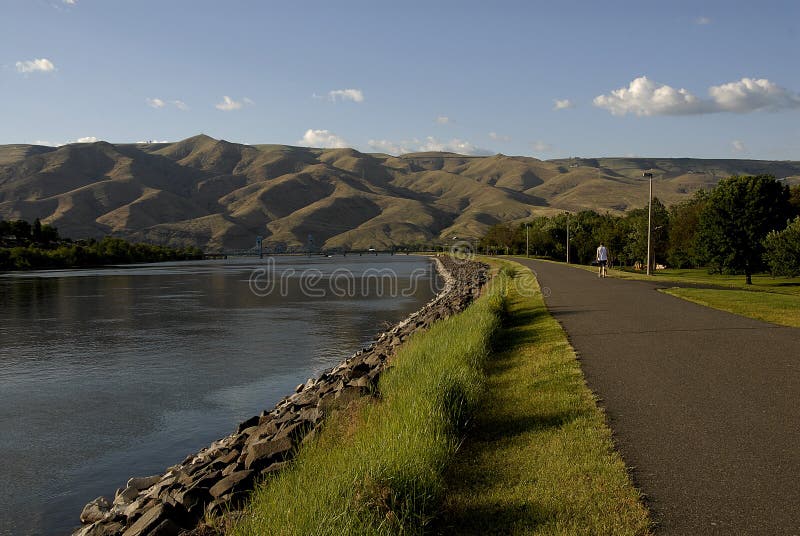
(780, 309)
(539, 457)
(761, 282)
(771, 299)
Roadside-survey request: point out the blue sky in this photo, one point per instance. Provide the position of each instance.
(544, 79)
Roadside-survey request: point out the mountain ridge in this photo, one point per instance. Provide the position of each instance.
(220, 195)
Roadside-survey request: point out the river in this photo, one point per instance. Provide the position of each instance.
(123, 371)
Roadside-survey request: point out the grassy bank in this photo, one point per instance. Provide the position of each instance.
(378, 468)
(783, 309)
(771, 299)
(539, 457)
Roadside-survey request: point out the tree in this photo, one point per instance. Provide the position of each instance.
(794, 199)
(740, 212)
(635, 249)
(782, 250)
(684, 220)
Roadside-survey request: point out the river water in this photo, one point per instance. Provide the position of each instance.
(119, 372)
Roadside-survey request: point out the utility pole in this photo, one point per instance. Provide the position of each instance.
(527, 242)
(649, 217)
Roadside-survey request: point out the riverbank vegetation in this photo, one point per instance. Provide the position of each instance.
(539, 458)
(473, 433)
(742, 226)
(25, 246)
(379, 468)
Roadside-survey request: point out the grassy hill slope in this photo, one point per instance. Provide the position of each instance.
(221, 195)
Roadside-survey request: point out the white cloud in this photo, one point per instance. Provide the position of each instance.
(322, 138)
(749, 95)
(386, 146)
(429, 144)
(443, 120)
(142, 142)
(738, 147)
(355, 95)
(42, 65)
(644, 97)
(454, 145)
(562, 104)
(541, 147)
(70, 2)
(87, 139)
(702, 21)
(228, 104)
(498, 137)
(161, 103)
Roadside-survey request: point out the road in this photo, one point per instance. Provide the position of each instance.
(704, 405)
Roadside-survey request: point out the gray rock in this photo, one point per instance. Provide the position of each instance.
(231, 483)
(261, 453)
(143, 482)
(252, 421)
(149, 521)
(100, 528)
(312, 415)
(127, 495)
(95, 510)
(166, 528)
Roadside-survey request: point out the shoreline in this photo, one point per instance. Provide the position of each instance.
(219, 477)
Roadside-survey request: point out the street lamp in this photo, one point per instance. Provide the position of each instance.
(567, 237)
(527, 242)
(649, 217)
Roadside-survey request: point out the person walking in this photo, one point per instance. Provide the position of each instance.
(602, 260)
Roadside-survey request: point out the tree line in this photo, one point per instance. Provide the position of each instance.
(26, 246)
(745, 224)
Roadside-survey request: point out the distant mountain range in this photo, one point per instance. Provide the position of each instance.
(220, 195)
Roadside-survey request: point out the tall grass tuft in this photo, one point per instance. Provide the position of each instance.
(379, 470)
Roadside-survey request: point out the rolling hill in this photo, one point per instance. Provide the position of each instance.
(221, 195)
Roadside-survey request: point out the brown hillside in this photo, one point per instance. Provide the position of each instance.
(221, 195)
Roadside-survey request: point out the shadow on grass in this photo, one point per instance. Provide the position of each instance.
(501, 427)
(492, 518)
(472, 509)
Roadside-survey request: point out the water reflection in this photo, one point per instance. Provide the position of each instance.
(105, 374)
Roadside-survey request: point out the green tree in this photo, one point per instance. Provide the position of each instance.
(794, 199)
(503, 237)
(782, 250)
(740, 212)
(684, 220)
(635, 249)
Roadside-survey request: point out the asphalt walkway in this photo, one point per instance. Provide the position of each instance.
(704, 405)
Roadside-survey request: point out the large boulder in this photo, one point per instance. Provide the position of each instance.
(95, 510)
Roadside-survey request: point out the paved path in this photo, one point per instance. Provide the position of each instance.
(704, 405)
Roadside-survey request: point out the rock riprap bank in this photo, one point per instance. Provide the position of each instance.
(220, 477)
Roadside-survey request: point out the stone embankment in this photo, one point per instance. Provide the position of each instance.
(219, 478)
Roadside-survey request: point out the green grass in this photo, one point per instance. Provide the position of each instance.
(539, 458)
(761, 282)
(780, 309)
(771, 299)
(378, 468)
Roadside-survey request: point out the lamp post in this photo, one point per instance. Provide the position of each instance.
(567, 237)
(649, 217)
(527, 242)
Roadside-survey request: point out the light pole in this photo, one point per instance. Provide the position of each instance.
(567, 237)
(649, 217)
(527, 242)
